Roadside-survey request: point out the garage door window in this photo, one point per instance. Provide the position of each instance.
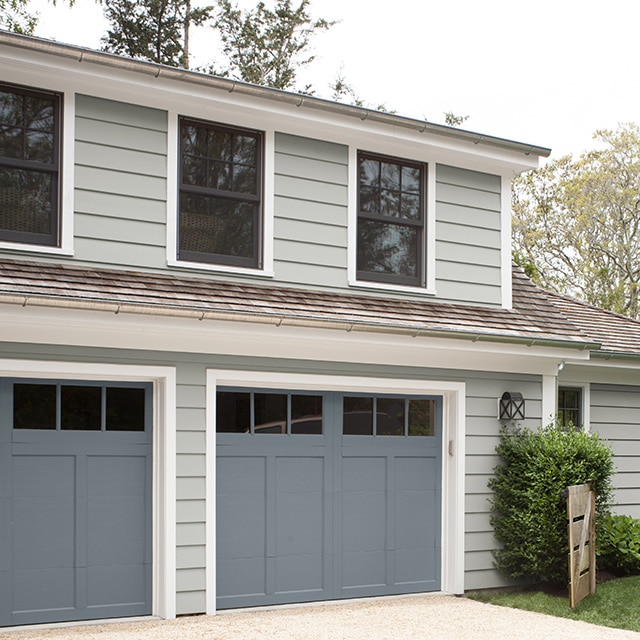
(78, 407)
(368, 416)
(268, 413)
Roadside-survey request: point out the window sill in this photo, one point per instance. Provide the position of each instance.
(220, 268)
(35, 248)
(383, 286)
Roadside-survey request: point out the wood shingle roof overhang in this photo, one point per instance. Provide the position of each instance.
(618, 335)
(533, 321)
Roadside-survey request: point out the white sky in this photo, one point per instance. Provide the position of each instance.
(546, 72)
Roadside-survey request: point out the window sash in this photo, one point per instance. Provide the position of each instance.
(215, 215)
(13, 226)
(407, 225)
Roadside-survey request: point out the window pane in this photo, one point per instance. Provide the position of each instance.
(390, 175)
(357, 417)
(219, 176)
(39, 147)
(245, 150)
(390, 417)
(233, 412)
(39, 114)
(194, 140)
(369, 173)
(220, 145)
(11, 140)
(125, 409)
(26, 201)
(81, 408)
(370, 200)
(388, 248)
(194, 170)
(245, 179)
(11, 107)
(422, 414)
(270, 413)
(34, 406)
(390, 203)
(306, 414)
(411, 179)
(410, 207)
(217, 226)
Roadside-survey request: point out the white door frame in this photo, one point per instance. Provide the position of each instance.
(453, 452)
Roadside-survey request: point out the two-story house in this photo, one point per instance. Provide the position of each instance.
(253, 344)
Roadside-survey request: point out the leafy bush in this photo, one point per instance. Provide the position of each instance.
(618, 544)
(529, 513)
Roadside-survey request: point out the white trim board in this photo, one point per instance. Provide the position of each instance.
(164, 455)
(453, 453)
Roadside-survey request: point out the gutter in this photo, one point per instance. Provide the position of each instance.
(283, 320)
(82, 55)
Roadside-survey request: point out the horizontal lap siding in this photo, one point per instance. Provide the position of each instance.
(615, 415)
(120, 184)
(310, 225)
(482, 437)
(468, 236)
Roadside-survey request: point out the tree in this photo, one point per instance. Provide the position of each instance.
(576, 223)
(264, 46)
(155, 30)
(15, 17)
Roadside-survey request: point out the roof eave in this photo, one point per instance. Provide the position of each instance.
(84, 55)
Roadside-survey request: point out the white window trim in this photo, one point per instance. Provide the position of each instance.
(585, 388)
(453, 453)
(429, 264)
(268, 206)
(164, 455)
(66, 181)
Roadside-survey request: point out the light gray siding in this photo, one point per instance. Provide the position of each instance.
(615, 415)
(310, 212)
(468, 236)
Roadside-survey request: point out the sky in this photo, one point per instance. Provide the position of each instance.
(548, 73)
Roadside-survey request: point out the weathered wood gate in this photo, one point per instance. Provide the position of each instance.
(581, 510)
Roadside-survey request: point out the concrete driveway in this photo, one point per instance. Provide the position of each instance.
(422, 617)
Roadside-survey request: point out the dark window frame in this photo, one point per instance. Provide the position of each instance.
(420, 224)
(51, 239)
(257, 199)
(565, 412)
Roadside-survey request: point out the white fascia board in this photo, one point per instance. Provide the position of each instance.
(191, 99)
(625, 372)
(37, 325)
(164, 454)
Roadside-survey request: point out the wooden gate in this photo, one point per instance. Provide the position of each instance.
(581, 510)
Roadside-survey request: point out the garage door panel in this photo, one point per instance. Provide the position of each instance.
(364, 473)
(43, 589)
(415, 473)
(415, 519)
(116, 475)
(240, 474)
(122, 585)
(299, 574)
(303, 474)
(241, 579)
(364, 520)
(241, 525)
(364, 569)
(415, 567)
(299, 523)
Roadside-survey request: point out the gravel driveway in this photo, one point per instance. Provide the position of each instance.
(425, 617)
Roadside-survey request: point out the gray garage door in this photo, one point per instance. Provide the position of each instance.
(324, 496)
(75, 501)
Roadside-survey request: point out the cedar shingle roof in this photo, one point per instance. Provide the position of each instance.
(534, 317)
(614, 332)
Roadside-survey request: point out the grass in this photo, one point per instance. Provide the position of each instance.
(613, 605)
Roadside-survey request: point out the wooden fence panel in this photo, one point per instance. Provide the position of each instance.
(581, 511)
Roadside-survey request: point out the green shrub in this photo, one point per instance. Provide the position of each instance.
(529, 513)
(618, 544)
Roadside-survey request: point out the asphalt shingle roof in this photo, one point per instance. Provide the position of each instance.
(534, 317)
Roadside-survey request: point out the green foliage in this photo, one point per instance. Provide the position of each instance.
(528, 509)
(609, 607)
(154, 30)
(265, 46)
(452, 120)
(578, 222)
(618, 544)
(15, 17)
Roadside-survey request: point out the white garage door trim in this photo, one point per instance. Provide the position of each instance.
(453, 421)
(164, 455)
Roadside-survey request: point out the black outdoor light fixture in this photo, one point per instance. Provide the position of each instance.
(511, 406)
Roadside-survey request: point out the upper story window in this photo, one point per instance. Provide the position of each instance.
(391, 220)
(29, 165)
(221, 194)
(570, 407)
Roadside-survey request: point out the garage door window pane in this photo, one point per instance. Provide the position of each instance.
(306, 415)
(125, 409)
(422, 414)
(34, 406)
(81, 408)
(357, 419)
(233, 412)
(390, 417)
(270, 413)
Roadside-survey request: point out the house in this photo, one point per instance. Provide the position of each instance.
(253, 344)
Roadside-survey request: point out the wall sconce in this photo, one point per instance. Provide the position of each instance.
(511, 406)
